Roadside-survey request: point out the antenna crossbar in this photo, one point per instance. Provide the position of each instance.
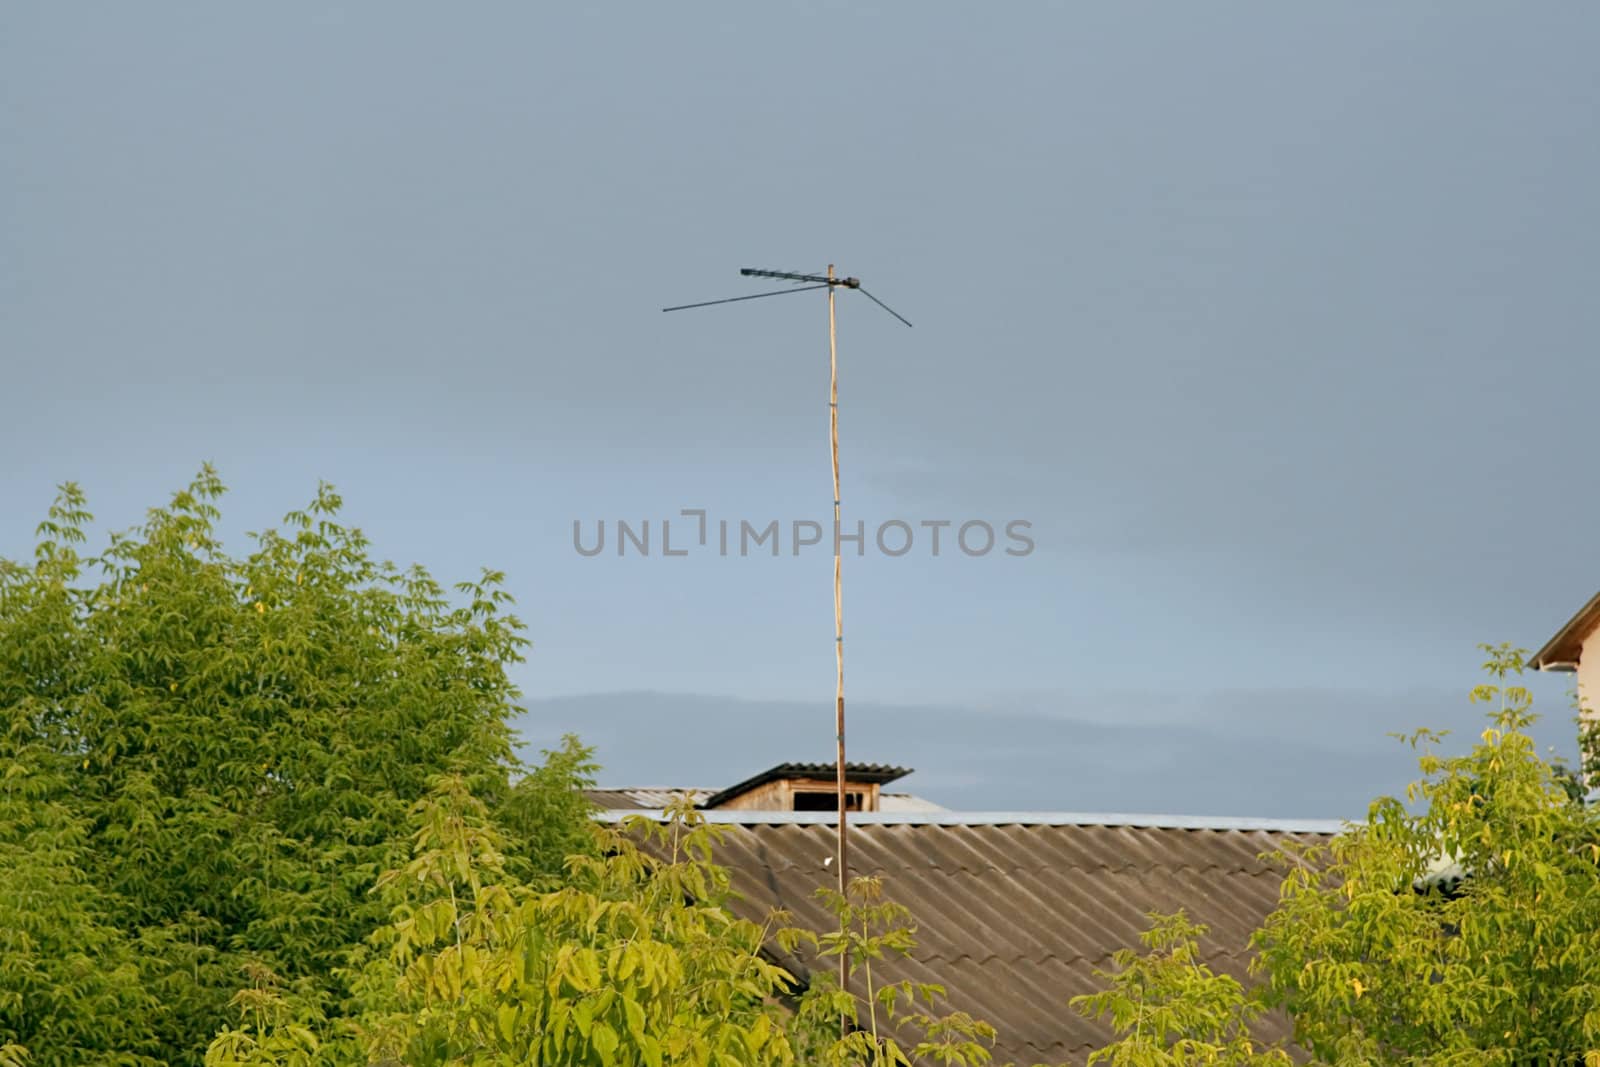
(810, 281)
(791, 276)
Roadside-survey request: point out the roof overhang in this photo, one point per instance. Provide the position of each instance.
(1562, 651)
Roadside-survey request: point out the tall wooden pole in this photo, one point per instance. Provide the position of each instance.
(838, 610)
(830, 281)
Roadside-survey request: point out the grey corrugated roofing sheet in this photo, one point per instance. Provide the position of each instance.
(642, 798)
(1016, 910)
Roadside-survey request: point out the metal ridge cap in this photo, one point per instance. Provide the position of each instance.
(740, 817)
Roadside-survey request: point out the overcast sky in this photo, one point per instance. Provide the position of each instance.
(1277, 323)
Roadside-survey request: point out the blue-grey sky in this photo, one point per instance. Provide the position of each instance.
(1277, 323)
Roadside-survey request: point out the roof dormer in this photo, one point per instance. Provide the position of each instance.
(808, 787)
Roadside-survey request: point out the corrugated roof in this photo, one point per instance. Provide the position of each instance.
(1016, 911)
(642, 798)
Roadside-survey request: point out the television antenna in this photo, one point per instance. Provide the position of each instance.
(806, 283)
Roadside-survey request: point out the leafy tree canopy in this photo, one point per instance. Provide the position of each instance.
(207, 761)
(1461, 928)
(636, 960)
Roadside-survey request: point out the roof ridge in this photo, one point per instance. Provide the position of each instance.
(1112, 820)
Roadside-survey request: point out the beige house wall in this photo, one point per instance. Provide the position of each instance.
(1589, 678)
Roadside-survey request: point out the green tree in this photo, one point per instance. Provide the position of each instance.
(69, 985)
(1462, 929)
(884, 1024)
(1468, 931)
(69, 988)
(634, 962)
(1173, 1010)
(544, 816)
(234, 743)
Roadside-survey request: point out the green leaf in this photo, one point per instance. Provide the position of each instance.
(605, 1042)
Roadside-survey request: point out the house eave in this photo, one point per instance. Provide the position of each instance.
(1561, 652)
